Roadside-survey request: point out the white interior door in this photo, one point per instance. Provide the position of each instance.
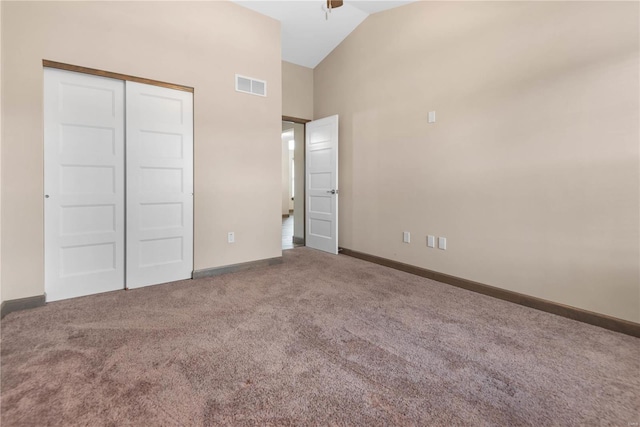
(84, 184)
(159, 184)
(322, 184)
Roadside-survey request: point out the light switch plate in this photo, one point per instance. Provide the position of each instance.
(432, 116)
(406, 237)
(431, 241)
(442, 243)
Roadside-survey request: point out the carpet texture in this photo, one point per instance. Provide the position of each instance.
(317, 340)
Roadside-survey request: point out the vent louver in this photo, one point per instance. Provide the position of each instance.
(251, 85)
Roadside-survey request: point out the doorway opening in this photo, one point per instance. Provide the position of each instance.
(293, 148)
(310, 183)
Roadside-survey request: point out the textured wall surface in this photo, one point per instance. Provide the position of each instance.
(198, 44)
(297, 91)
(531, 170)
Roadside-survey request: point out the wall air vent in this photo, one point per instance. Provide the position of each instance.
(251, 85)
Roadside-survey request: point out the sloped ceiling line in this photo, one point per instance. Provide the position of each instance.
(307, 37)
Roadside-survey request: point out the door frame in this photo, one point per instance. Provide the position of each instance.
(84, 70)
(304, 181)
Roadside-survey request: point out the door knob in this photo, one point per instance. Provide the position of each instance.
(332, 191)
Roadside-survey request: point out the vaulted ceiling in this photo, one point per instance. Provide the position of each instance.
(307, 35)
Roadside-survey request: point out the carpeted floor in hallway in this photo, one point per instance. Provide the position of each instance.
(319, 339)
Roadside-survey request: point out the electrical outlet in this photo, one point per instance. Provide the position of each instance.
(431, 241)
(231, 237)
(442, 243)
(406, 237)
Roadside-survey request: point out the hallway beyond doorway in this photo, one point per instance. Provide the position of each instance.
(287, 232)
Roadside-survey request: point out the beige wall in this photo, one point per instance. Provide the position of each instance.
(532, 168)
(198, 44)
(290, 161)
(298, 155)
(297, 101)
(297, 91)
(286, 173)
(1, 297)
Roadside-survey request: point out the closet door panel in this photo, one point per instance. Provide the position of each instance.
(159, 185)
(84, 184)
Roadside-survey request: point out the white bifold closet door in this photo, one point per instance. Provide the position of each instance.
(159, 185)
(118, 184)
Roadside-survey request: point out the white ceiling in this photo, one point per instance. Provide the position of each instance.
(307, 37)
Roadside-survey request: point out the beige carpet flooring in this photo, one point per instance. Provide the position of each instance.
(317, 340)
